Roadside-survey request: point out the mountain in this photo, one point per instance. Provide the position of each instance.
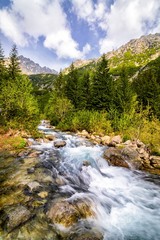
(29, 67)
(134, 55)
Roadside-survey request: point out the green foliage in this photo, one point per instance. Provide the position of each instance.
(125, 98)
(57, 108)
(19, 108)
(92, 121)
(42, 87)
(60, 85)
(102, 87)
(72, 91)
(2, 67)
(14, 68)
(11, 142)
(147, 86)
(85, 91)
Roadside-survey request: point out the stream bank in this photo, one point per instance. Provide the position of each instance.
(63, 188)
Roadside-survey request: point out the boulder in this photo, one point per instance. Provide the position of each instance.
(105, 140)
(114, 157)
(16, 217)
(50, 137)
(59, 143)
(68, 213)
(125, 157)
(84, 133)
(63, 213)
(116, 139)
(89, 236)
(155, 161)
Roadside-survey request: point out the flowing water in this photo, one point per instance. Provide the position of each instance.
(126, 203)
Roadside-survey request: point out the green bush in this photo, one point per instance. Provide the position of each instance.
(92, 121)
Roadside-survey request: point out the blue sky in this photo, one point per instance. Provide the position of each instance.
(57, 32)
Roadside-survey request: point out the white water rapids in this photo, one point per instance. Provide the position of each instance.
(126, 203)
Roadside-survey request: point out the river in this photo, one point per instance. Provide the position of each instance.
(126, 203)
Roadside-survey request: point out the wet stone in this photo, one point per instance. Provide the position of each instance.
(16, 217)
(43, 194)
(59, 143)
(33, 186)
(50, 137)
(68, 213)
(89, 236)
(30, 170)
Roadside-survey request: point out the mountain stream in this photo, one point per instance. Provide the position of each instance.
(122, 204)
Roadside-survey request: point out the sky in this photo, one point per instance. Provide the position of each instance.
(55, 33)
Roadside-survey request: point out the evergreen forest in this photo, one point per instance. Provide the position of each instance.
(90, 98)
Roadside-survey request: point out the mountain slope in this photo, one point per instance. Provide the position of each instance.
(30, 67)
(133, 55)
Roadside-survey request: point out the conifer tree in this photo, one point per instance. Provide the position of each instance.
(18, 106)
(14, 68)
(102, 87)
(125, 98)
(72, 88)
(2, 65)
(59, 85)
(84, 91)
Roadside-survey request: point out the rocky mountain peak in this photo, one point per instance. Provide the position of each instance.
(137, 46)
(30, 67)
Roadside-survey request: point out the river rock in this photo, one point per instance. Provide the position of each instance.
(114, 157)
(34, 154)
(30, 170)
(68, 213)
(33, 186)
(43, 194)
(155, 161)
(116, 139)
(50, 137)
(63, 213)
(59, 143)
(86, 163)
(126, 157)
(16, 217)
(105, 140)
(84, 133)
(89, 236)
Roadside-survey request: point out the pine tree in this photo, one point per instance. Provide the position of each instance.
(19, 108)
(72, 87)
(14, 68)
(2, 65)
(102, 87)
(147, 87)
(125, 98)
(59, 85)
(84, 91)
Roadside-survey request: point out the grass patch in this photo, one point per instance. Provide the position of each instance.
(11, 143)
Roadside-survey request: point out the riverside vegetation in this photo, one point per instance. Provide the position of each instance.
(94, 98)
(62, 187)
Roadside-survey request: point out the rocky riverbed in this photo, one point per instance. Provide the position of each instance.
(66, 187)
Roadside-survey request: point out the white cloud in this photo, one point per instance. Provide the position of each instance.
(86, 49)
(10, 27)
(121, 21)
(63, 44)
(128, 20)
(26, 20)
(90, 11)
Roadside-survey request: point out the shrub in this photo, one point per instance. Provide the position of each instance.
(92, 121)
